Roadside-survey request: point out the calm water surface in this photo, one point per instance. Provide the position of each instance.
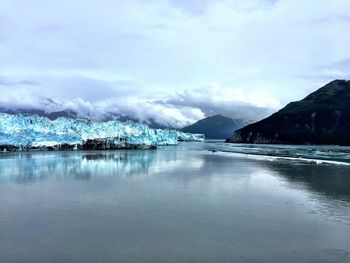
(175, 204)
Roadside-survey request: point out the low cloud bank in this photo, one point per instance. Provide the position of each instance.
(174, 110)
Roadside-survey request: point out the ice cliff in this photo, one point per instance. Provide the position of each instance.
(23, 132)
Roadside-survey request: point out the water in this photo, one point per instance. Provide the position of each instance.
(176, 204)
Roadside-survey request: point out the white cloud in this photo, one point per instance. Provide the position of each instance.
(141, 52)
(171, 109)
(233, 102)
(217, 94)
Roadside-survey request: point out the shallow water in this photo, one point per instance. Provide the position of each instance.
(175, 204)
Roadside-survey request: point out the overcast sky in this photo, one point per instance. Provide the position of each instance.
(173, 60)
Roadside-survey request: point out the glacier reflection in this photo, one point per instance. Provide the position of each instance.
(27, 167)
(330, 181)
(170, 200)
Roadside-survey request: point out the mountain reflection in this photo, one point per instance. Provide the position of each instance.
(331, 181)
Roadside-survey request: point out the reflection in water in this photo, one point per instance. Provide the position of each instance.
(27, 167)
(171, 205)
(327, 187)
(331, 181)
(30, 167)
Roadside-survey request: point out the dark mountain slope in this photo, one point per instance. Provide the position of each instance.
(215, 127)
(323, 117)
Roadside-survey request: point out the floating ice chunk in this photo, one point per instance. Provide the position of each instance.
(20, 132)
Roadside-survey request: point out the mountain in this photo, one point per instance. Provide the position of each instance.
(323, 117)
(215, 127)
(151, 122)
(74, 115)
(51, 115)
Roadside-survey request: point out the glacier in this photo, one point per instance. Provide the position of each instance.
(32, 132)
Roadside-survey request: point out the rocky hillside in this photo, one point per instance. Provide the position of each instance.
(215, 127)
(323, 117)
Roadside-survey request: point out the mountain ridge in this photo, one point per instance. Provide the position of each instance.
(53, 115)
(322, 117)
(215, 126)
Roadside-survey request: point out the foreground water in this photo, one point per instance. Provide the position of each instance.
(197, 202)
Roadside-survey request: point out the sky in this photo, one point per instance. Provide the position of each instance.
(174, 61)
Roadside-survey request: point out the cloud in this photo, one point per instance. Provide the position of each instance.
(326, 73)
(228, 101)
(145, 111)
(193, 7)
(199, 8)
(171, 109)
(14, 83)
(149, 58)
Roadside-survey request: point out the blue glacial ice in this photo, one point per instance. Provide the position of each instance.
(21, 132)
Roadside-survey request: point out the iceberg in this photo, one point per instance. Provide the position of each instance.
(32, 132)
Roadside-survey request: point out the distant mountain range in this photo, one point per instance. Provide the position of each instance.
(323, 117)
(215, 127)
(50, 115)
(73, 115)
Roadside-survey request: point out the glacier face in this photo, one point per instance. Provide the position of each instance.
(20, 132)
